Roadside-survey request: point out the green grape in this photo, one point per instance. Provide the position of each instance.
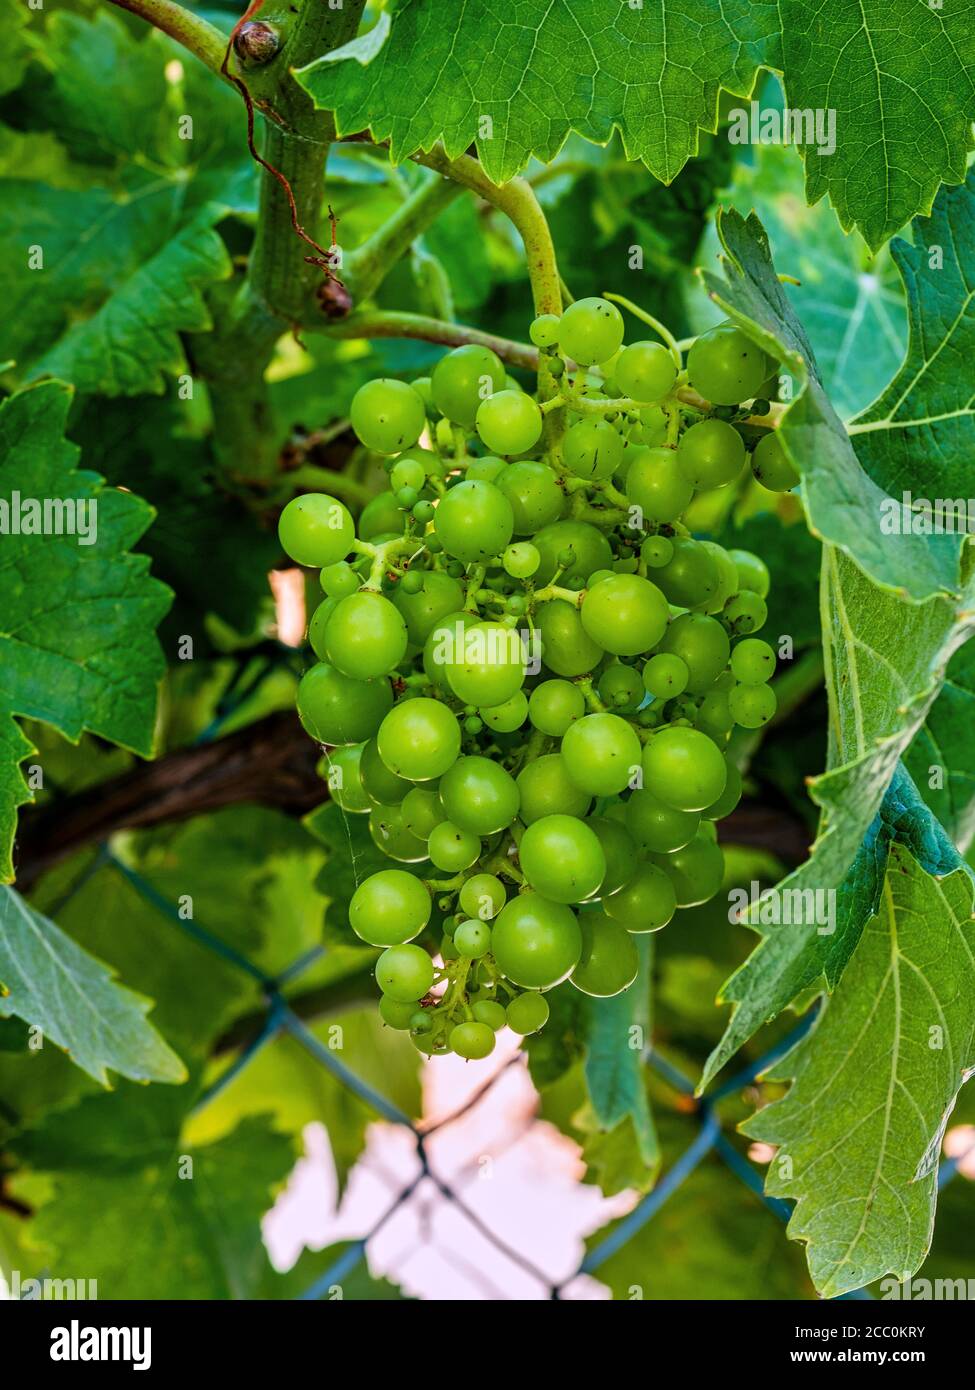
(592, 449)
(598, 576)
(390, 834)
(411, 583)
(645, 903)
(509, 422)
(387, 415)
(590, 330)
(554, 705)
(656, 484)
(725, 366)
(752, 661)
(422, 811)
(389, 907)
(567, 649)
(772, 466)
(619, 850)
(508, 716)
(474, 522)
(422, 388)
(483, 896)
(752, 572)
(536, 943)
(425, 1043)
(691, 575)
(473, 938)
(727, 577)
(490, 666)
(711, 454)
(488, 469)
(533, 491)
(621, 688)
(342, 770)
(609, 961)
(656, 551)
(490, 1012)
(422, 608)
(696, 871)
(335, 709)
(544, 331)
(521, 560)
(684, 769)
(378, 782)
(453, 849)
(478, 795)
(665, 676)
(339, 580)
(381, 516)
(562, 859)
(407, 472)
(394, 1014)
(421, 1022)
(584, 547)
(702, 644)
(625, 615)
(546, 789)
(601, 753)
(444, 646)
(714, 715)
(728, 799)
(752, 705)
(317, 626)
(316, 530)
(419, 739)
(474, 1041)
(745, 612)
(404, 973)
(645, 371)
(657, 826)
(463, 379)
(527, 1013)
(407, 497)
(365, 636)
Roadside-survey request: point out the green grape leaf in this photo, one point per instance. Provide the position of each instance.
(843, 503)
(486, 77)
(885, 662)
(851, 305)
(174, 1219)
(51, 983)
(617, 1036)
(654, 74)
(859, 1132)
(877, 69)
(928, 410)
(942, 757)
(77, 642)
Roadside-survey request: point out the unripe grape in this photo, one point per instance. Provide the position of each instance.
(527, 1013)
(387, 415)
(463, 379)
(509, 422)
(645, 371)
(771, 465)
(389, 908)
(404, 973)
(609, 961)
(590, 330)
(316, 530)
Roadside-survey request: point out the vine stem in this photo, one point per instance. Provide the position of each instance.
(378, 323)
(202, 39)
(365, 268)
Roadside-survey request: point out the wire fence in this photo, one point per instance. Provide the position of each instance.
(280, 1019)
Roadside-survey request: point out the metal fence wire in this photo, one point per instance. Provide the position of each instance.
(280, 1019)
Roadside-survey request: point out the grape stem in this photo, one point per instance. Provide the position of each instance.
(364, 269)
(202, 39)
(383, 555)
(380, 323)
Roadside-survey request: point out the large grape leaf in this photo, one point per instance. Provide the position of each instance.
(942, 757)
(859, 1131)
(47, 980)
(129, 1210)
(843, 503)
(515, 79)
(885, 663)
(928, 410)
(77, 643)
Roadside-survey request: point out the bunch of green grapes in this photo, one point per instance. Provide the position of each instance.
(528, 669)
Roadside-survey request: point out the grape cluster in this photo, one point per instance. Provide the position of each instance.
(528, 669)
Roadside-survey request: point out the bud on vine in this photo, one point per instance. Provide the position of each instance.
(256, 43)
